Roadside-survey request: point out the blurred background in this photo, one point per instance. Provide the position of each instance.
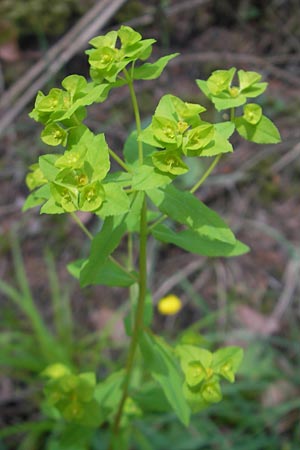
(253, 300)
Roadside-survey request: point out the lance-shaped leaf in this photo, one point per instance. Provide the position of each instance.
(159, 359)
(103, 244)
(185, 208)
(193, 242)
(109, 274)
(150, 71)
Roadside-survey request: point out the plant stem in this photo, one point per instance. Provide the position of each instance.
(206, 174)
(232, 114)
(81, 225)
(118, 160)
(139, 312)
(136, 113)
(138, 319)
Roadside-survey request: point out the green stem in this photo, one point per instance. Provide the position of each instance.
(90, 236)
(138, 319)
(232, 114)
(118, 160)
(81, 226)
(206, 174)
(136, 113)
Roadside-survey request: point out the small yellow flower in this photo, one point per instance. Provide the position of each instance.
(169, 305)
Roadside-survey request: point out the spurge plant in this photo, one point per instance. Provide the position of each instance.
(139, 200)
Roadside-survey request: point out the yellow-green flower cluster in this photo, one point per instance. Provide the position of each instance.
(203, 371)
(72, 181)
(71, 395)
(179, 132)
(114, 51)
(219, 89)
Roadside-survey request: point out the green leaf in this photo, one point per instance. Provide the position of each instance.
(103, 244)
(47, 166)
(97, 154)
(50, 207)
(131, 152)
(147, 137)
(198, 138)
(159, 359)
(152, 399)
(54, 135)
(169, 161)
(220, 80)
(194, 399)
(185, 208)
(37, 197)
(74, 84)
(252, 113)
(116, 201)
(195, 363)
(225, 101)
(108, 394)
(188, 353)
(150, 71)
(219, 144)
(249, 83)
(193, 242)
(133, 217)
(92, 93)
(148, 177)
(211, 391)
(147, 316)
(226, 361)
(128, 36)
(203, 87)
(109, 274)
(32, 201)
(264, 132)
(91, 197)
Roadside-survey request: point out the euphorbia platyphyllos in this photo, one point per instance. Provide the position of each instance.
(134, 202)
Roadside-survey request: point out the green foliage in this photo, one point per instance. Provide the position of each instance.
(203, 371)
(132, 203)
(72, 396)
